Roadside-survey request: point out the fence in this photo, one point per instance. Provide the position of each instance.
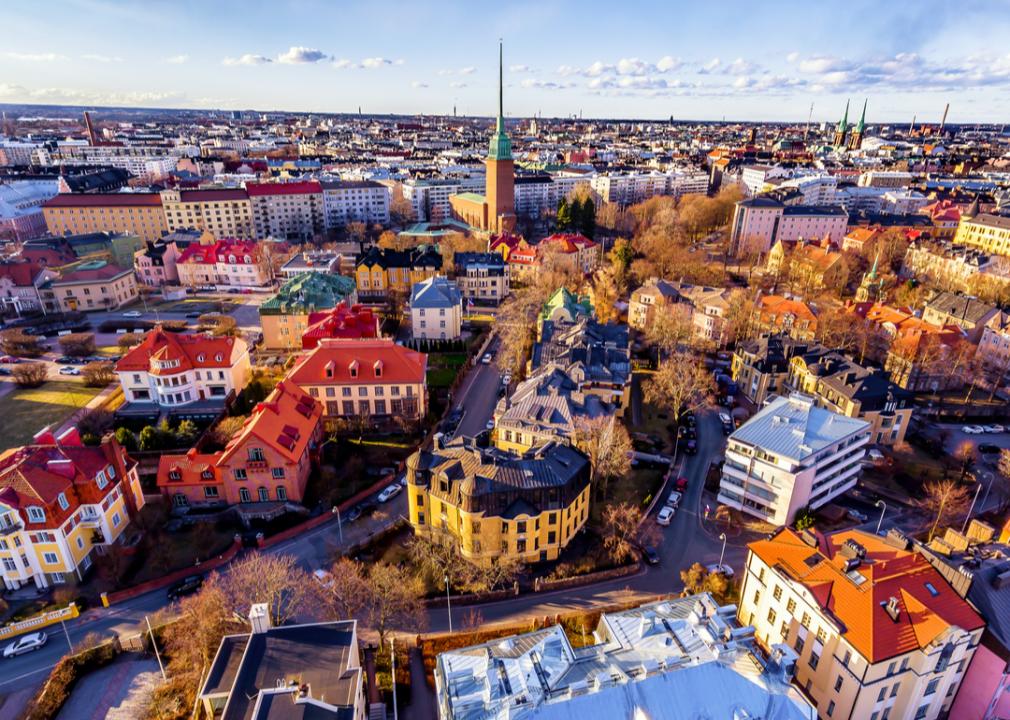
(39, 621)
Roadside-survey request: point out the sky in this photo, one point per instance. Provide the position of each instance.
(757, 60)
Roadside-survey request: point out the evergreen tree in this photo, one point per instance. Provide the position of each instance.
(587, 218)
(574, 215)
(564, 218)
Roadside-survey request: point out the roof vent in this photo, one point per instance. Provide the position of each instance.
(853, 550)
(897, 539)
(892, 609)
(809, 538)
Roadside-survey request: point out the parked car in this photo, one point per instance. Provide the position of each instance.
(993, 428)
(988, 448)
(972, 430)
(692, 447)
(673, 499)
(650, 555)
(186, 586)
(727, 428)
(717, 568)
(4, 371)
(390, 492)
(359, 510)
(856, 515)
(67, 370)
(489, 425)
(486, 359)
(10, 360)
(133, 314)
(193, 315)
(724, 418)
(682, 484)
(665, 516)
(26, 643)
(323, 577)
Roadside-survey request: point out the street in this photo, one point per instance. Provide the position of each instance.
(478, 394)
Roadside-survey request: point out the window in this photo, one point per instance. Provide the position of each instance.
(240, 474)
(805, 620)
(100, 479)
(757, 596)
(50, 558)
(831, 708)
(838, 683)
(115, 519)
(847, 658)
(243, 495)
(814, 659)
(931, 687)
(263, 494)
(790, 606)
(36, 514)
(922, 711)
(277, 472)
(771, 616)
(890, 669)
(282, 493)
(777, 592)
(256, 454)
(62, 500)
(894, 688)
(210, 492)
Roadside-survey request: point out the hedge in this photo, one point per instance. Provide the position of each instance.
(48, 702)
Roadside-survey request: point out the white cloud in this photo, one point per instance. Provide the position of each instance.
(7, 90)
(102, 58)
(539, 84)
(375, 62)
(668, 63)
(520, 69)
(566, 70)
(792, 57)
(823, 64)
(740, 67)
(598, 68)
(399, 61)
(36, 57)
(710, 67)
(344, 63)
(177, 59)
(247, 59)
(469, 70)
(90, 97)
(419, 84)
(457, 84)
(298, 55)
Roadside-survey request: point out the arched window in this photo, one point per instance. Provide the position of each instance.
(264, 494)
(243, 495)
(282, 493)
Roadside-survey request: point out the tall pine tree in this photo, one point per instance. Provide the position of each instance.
(564, 218)
(587, 218)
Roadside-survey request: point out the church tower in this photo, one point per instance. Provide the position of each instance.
(500, 178)
(870, 288)
(843, 128)
(856, 139)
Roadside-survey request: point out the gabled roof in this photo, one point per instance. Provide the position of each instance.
(857, 602)
(422, 256)
(193, 350)
(567, 243)
(435, 292)
(220, 252)
(285, 421)
(372, 361)
(343, 321)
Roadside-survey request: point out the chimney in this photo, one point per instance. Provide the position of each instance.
(259, 618)
(70, 437)
(44, 436)
(892, 609)
(62, 467)
(438, 441)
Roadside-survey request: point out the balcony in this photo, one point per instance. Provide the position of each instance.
(256, 465)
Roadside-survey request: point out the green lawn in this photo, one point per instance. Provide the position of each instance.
(24, 412)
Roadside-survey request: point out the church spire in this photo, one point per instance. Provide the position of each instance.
(873, 270)
(501, 146)
(843, 124)
(862, 120)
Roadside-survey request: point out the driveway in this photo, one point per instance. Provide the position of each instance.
(116, 692)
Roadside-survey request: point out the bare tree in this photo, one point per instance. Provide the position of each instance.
(78, 344)
(394, 600)
(605, 295)
(30, 375)
(272, 579)
(680, 385)
(944, 500)
(348, 594)
(98, 374)
(671, 329)
(606, 443)
(400, 210)
(623, 532)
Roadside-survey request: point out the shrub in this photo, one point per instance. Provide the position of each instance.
(128, 340)
(30, 375)
(98, 374)
(50, 699)
(126, 438)
(78, 344)
(97, 421)
(17, 342)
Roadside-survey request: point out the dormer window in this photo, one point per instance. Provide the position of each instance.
(353, 369)
(219, 357)
(329, 369)
(201, 357)
(207, 475)
(36, 514)
(111, 472)
(247, 259)
(231, 259)
(378, 368)
(62, 500)
(174, 475)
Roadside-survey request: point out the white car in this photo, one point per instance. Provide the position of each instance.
(993, 428)
(25, 643)
(489, 425)
(486, 359)
(323, 577)
(68, 370)
(132, 314)
(665, 516)
(390, 492)
(972, 430)
(725, 419)
(717, 568)
(673, 499)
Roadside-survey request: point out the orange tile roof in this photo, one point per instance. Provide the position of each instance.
(330, 363)
(193, 350)
(285, 421)
(859, 609)
(191, 468)
(778, 305)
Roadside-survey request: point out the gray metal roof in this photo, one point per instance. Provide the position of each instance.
(435, 292)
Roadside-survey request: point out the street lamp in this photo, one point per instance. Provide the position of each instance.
(964, 525)
(722, 554)
(448, 604)
(340, 524)
(883, 505)
(988, 487)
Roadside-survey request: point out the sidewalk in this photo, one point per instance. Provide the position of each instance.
(94, 402)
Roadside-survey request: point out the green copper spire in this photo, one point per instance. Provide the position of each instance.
(862, 120)
(873, 270)
(501, 146)
(843, 124)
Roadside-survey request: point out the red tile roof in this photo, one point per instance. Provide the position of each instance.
(569, 242)
(220, 251)
(22, 274)
(332, 362)
(343, 321)
(191, 468)
(886, 572)
(305, 187)
(193, 350)
(104, 200)
(286, 421)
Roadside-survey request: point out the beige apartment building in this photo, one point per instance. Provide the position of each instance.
(137, 214)
(93, 285)
(879, 633)
(225, 213)
(990, 233)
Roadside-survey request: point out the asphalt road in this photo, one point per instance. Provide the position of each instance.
(477, 395)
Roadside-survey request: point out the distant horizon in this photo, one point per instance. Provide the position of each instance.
(80, 109)
(640, 59)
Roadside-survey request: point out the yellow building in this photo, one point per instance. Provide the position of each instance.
(59, 501)
(92, 285)
(879, 632)
(381, 270)
(137, 214)
(494, 504)
(225, 213)
(989, 233)
(842, 386)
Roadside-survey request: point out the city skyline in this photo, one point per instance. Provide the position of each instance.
(654, 62)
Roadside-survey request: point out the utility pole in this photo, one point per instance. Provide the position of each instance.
(392, 653)
(154, 644)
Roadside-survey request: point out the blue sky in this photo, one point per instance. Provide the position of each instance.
(693, 60)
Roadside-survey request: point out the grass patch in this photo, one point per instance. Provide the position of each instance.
(441, 377)
(26, 411)
(108, 350)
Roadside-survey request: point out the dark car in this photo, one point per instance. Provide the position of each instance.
(186, 586)
(988, 448)
(365, 508)
(193, 315)
(692, 447)
(727, 428)
(650, 555)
